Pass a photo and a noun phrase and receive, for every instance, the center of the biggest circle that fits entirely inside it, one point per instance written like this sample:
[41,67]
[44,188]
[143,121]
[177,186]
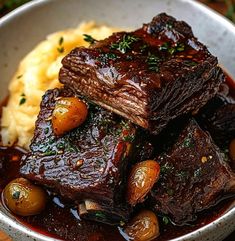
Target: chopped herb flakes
[16,195]
[170,192]
[60,49]
[153,62]
[125,44]
[197,172]
[122,223]
[61,40]
[188,143]
[105,57]
[190,63]
[129,138]
[100,215]
[46,131]
[143,47]
[89,38]
[165,220]
[49,153]
[22,99]
[179,47]
[169,25]
[182,175]
[167,168]
[164,46]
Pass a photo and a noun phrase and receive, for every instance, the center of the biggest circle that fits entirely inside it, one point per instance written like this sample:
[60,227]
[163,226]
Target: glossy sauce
[61,220]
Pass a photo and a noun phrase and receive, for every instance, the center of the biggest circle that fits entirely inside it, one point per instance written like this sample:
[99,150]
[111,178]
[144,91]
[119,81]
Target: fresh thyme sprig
[153,62]
[88,38]
[125,43]
[60,48]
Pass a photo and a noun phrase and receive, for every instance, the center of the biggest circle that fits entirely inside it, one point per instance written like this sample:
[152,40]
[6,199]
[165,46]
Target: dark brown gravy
[60,220]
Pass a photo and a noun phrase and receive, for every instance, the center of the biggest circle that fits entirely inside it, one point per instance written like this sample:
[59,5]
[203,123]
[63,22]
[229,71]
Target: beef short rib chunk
[87,164]
[218,117]
[193,176]
[149,76]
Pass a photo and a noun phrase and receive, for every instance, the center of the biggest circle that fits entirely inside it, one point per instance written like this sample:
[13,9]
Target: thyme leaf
[190,63]
[16,195]
[125,44]
[165,220]
[22,99]
[179,47]
[88,38]
[61,40]
[153,62]
[60,49]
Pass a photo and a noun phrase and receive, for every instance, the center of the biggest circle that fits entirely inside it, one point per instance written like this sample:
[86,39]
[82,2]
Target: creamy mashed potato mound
[36,73]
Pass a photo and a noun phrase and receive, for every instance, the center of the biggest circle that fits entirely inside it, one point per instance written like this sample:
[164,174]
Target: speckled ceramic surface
[26,26]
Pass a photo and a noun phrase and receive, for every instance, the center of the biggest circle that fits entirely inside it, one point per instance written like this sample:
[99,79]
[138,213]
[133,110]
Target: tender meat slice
[150,76]
[193,176]
[87,164]
[218,117]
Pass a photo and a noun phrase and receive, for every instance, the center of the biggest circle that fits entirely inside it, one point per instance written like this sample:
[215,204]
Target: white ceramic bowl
[23,28]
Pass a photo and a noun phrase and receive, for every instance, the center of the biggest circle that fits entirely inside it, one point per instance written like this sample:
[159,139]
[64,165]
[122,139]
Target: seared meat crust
[149,76]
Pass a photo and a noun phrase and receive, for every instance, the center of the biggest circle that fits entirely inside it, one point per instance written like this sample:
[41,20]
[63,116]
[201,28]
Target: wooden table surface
[218,5]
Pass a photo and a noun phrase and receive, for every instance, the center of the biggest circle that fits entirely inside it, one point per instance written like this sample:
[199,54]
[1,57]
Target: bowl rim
[19,226]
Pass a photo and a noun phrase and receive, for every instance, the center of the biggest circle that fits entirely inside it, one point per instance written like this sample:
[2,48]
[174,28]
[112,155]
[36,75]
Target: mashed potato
[37,72]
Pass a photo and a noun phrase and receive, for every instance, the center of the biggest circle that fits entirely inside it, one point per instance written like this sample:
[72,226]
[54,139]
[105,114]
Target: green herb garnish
[165,220]
[60,49]
[60,145]
[61,40]
[164,46]
[182,174]
[179,47]
[46,131]
[104,57]
[167,168]
[16,195]
[153,62]
[169,25]
[187,143]
[190,63]
[197,172]
[129,138]
[100,215]
[89,38]
[125,43]
[171,50]
[129,57]
[143,48]
[22,99]
[49,153]
[111,55]
[170,192]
